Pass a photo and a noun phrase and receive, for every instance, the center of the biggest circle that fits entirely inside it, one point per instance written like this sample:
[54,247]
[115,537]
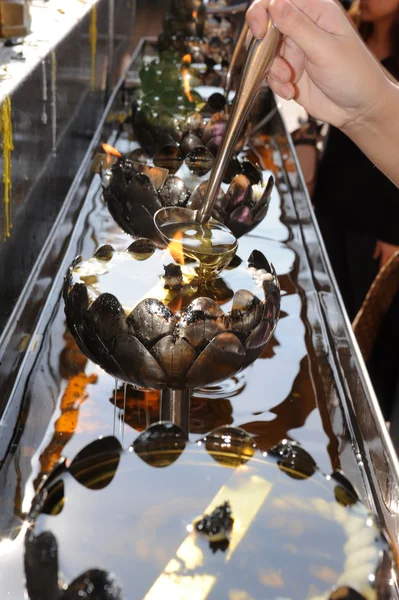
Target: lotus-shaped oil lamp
[168,329]
[243,504]
[171,94]
[155,125]
[136,187]
[185,21]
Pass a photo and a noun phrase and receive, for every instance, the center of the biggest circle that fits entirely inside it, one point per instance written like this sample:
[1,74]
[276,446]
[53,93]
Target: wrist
[378,116]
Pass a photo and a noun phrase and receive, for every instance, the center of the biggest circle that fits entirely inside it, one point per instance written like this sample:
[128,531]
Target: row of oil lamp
[177,335]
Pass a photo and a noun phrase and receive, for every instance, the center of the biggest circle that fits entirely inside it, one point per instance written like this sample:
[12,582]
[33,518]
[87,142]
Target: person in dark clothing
[357,208]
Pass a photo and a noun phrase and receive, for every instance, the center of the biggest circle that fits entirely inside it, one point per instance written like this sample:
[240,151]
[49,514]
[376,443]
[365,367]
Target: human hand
[323,63]
[384,252]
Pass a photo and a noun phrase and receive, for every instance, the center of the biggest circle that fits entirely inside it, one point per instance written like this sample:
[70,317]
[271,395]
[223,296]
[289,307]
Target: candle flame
[110,152]
[195,14]
[175,248]
[187,59]
[186,84]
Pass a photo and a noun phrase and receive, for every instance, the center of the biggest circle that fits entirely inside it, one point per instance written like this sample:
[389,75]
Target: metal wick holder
[152,347]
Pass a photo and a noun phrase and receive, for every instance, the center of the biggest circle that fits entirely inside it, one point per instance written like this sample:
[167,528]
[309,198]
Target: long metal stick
[235,58]
[260,57]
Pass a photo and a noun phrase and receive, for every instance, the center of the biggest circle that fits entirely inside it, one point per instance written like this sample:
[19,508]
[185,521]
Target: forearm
[377,135]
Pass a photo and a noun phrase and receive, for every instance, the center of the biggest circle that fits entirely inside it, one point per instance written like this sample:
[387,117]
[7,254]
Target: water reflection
[285,530]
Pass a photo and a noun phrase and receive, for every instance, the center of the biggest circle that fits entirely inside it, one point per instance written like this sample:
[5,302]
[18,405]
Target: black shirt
[351,192]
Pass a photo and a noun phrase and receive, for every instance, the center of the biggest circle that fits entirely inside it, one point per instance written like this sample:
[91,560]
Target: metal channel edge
[354,423]
[16,320]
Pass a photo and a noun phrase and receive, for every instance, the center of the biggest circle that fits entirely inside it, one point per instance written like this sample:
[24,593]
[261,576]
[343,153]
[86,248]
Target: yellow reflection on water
[179,580]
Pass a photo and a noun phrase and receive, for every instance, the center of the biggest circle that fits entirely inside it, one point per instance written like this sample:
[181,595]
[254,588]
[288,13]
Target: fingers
[257,18]
[248,39]
[284,90]
[294,57]
[280,71]
[301,28]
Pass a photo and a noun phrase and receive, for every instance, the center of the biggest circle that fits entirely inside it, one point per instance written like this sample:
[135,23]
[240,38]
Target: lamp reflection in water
[279,502]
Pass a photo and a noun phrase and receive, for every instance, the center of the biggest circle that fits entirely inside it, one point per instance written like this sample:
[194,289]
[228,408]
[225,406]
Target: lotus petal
[139,156]
[175,356]
[214,130]
[95,584]
[115,197]
[77,305]
[258,214]
[76,308]
[157,175]
[201,322]
[194,123]
[41,565]
[141,249]
[136,363]
[129,169]
[240,221]
[293,460]
[107,317]
[105,449]
[141,191]
[141,223]
[200,161]
[272,292]
[222,358]
[257,341]
[104,253]
[247,311]
[259,261]
[117,181]
[197,198]
[269,188]
[99,351]
[189,142]
[252,172]
[230,446]
[169,157]
[233,169]
[161,444]
[151,320]
[259,337]
[174,192]
[239,192]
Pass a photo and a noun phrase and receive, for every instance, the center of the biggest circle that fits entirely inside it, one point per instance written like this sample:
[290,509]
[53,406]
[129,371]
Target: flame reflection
[175,248]
[186,77]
